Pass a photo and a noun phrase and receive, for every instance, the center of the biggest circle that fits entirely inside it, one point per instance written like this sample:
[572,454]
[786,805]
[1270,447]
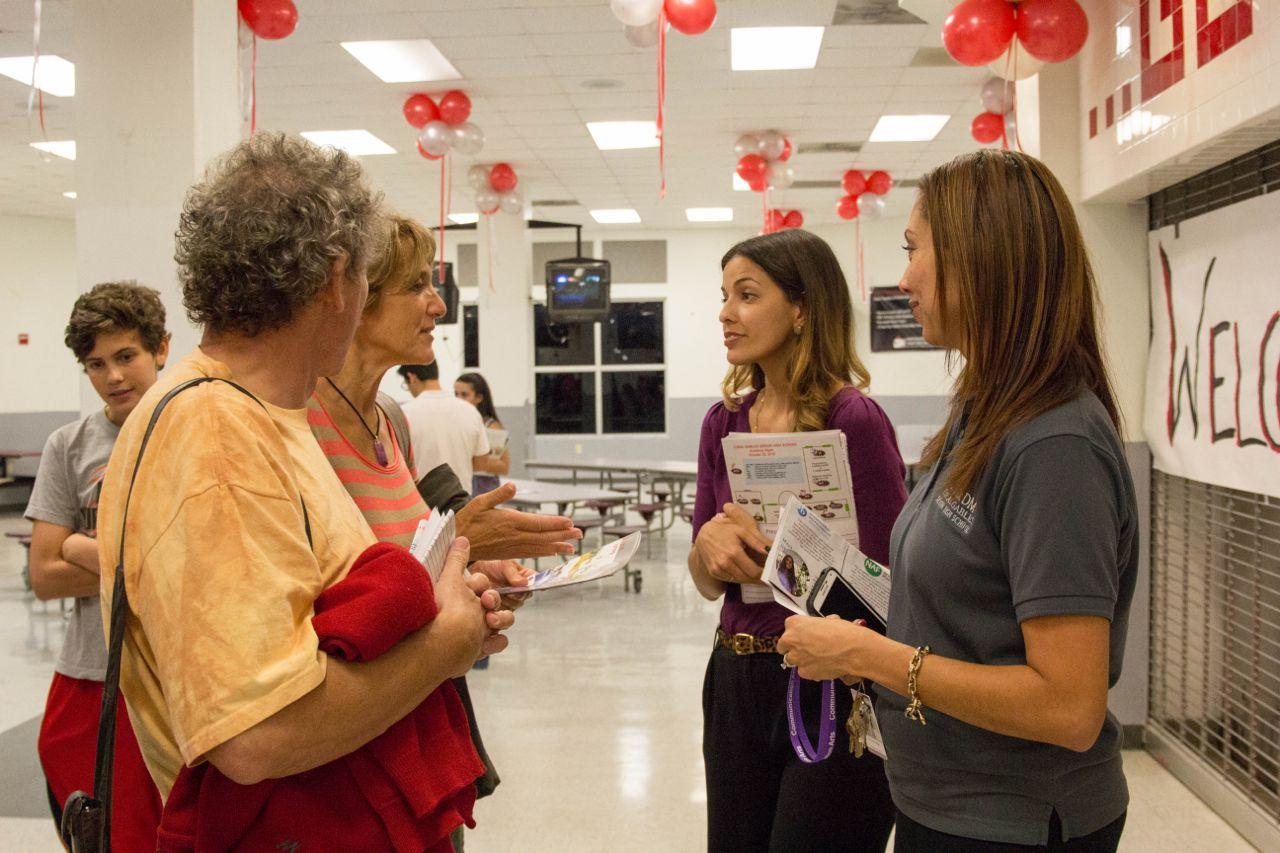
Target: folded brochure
[591,566]
[431,542]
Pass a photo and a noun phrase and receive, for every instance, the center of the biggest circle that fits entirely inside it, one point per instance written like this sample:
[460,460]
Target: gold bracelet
[915,710]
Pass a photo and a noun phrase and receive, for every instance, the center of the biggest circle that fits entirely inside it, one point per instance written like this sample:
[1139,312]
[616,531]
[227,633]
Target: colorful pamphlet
[591,566]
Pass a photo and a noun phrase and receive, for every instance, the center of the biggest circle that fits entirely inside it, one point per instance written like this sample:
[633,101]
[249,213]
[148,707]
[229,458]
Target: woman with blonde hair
[787,322]
[1015,558]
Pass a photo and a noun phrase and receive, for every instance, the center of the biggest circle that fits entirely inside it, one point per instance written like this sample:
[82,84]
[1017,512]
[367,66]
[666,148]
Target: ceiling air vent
[555,202]
[829,148]
[909,183]
[861,13]
[932,57]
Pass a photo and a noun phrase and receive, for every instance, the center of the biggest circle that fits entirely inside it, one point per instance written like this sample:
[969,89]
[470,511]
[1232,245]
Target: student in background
[117,334]
[787,322]
[1015,559]
[415,378]
[445,429]
[472,388]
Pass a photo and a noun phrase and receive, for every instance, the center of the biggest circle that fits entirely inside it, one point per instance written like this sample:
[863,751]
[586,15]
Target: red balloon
[847,207]
[977,32]
[793,219]
[269,19]
[853,183]
[691,17]
[1052,30]
[759,184]
[773,220]
[425,153]
[502,178]
[455,107]
[879,183]
[420,109]
[786,150]
[987,127]
[751,168]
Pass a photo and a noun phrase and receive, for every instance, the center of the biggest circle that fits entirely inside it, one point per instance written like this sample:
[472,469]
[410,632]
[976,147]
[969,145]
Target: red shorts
[68,748]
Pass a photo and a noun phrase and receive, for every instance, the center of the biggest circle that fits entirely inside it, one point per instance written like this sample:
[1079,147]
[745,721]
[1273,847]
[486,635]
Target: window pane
[558,344]
[635,401]
[470,336]
[633,334]
[565,403]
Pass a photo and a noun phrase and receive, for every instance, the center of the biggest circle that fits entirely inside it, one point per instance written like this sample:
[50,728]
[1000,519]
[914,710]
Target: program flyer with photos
[591,566]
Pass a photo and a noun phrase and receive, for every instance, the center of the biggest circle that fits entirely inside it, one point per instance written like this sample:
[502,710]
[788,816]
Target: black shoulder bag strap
[86,820]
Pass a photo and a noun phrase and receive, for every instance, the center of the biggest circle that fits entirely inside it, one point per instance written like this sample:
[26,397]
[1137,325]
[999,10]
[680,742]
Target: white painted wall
[37,290]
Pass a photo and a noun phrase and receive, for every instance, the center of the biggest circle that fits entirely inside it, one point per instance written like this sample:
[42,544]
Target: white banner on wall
[1213,372]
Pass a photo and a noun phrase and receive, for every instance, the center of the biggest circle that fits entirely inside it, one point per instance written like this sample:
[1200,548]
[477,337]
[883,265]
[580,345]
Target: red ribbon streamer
[1011,59]
[36,95]
[488,230]
[253,89]
[440,250]
[662,96]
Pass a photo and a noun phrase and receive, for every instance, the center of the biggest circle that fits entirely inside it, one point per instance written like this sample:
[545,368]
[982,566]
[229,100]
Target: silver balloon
[772,144]
[436,137]
[512,202]
[645,35]
[636,13]
[478,177]
[748,143]
[779,175]
[468,138]
[487,200]
[997,96]
[1015,63]
[870,206]
[1010,128]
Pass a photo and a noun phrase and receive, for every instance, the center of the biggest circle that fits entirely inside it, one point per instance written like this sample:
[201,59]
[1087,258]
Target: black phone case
[857,610]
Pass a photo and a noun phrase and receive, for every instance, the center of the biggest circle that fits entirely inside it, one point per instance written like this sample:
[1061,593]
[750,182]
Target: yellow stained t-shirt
[219,574]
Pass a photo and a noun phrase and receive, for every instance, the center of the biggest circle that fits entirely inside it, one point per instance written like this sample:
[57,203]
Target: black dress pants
[912,837]
[760,795]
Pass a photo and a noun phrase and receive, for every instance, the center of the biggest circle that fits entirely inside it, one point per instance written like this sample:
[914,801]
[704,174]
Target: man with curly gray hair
[237,522]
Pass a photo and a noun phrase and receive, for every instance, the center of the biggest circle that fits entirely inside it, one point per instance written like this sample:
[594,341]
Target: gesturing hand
[731,547]
[506,573]
[505,534]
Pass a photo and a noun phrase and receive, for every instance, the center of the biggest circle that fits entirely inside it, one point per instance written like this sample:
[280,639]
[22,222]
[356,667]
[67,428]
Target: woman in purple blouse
[788,333]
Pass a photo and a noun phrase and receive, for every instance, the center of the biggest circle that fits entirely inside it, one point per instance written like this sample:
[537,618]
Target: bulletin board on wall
[893,327]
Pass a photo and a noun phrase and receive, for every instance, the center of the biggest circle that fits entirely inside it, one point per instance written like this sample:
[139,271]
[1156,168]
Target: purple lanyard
[795,723]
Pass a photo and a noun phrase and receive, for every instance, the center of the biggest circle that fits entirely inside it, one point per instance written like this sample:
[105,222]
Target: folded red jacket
[405,790]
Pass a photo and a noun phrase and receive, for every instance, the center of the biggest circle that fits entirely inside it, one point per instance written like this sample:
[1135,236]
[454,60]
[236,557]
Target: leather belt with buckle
[746,644]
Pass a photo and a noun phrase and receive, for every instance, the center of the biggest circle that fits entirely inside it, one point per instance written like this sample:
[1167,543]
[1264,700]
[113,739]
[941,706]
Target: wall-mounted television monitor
[448,292]
[577,290]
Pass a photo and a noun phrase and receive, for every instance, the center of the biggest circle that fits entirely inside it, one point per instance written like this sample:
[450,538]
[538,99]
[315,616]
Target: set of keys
[859,723]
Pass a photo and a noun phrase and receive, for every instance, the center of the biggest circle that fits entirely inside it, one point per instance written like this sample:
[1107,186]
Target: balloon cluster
[863,194]
[998,119]
[776,220]
[495,188]
[269,19]
[762,160]
[982,32]
[640,18]
[443,126]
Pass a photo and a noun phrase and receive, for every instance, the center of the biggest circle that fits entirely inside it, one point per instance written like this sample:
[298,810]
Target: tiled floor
[592,716]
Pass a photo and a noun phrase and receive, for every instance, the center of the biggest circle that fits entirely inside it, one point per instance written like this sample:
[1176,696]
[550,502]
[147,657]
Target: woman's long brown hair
[806,269]
[1015,281]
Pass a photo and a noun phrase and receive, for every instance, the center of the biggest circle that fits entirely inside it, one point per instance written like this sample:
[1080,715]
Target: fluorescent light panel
[71,194]
[406,61]
[774,48]
[464,218]
[357,143]
[615,216]
[64,148]
[54,75]
[921,128]
[709,214]
[617,135]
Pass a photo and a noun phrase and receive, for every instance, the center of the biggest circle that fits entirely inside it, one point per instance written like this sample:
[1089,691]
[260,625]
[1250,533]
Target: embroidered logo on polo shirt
[958,512]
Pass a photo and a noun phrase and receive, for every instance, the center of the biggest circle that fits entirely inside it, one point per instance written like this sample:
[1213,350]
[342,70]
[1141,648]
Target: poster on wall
[1213,372]
[893,328]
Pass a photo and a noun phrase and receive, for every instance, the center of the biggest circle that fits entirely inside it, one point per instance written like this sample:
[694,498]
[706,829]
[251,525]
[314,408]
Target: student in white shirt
[445,429]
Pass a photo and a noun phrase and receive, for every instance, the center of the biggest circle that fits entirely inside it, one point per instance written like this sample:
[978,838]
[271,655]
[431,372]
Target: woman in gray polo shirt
[1014,559]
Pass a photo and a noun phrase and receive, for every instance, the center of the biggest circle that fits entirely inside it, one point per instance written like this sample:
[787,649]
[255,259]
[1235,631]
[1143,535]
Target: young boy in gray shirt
[117,333]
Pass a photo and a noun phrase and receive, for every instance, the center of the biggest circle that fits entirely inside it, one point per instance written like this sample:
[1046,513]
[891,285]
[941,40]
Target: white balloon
[436,137]
[1010,128]
[468,138]
[1015,63]
[636,13]
[487,201]
[645,35]
[512,202]
[748,143]
[997,96]
[779,175]
[772,144]
[478,177]
[870,206]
